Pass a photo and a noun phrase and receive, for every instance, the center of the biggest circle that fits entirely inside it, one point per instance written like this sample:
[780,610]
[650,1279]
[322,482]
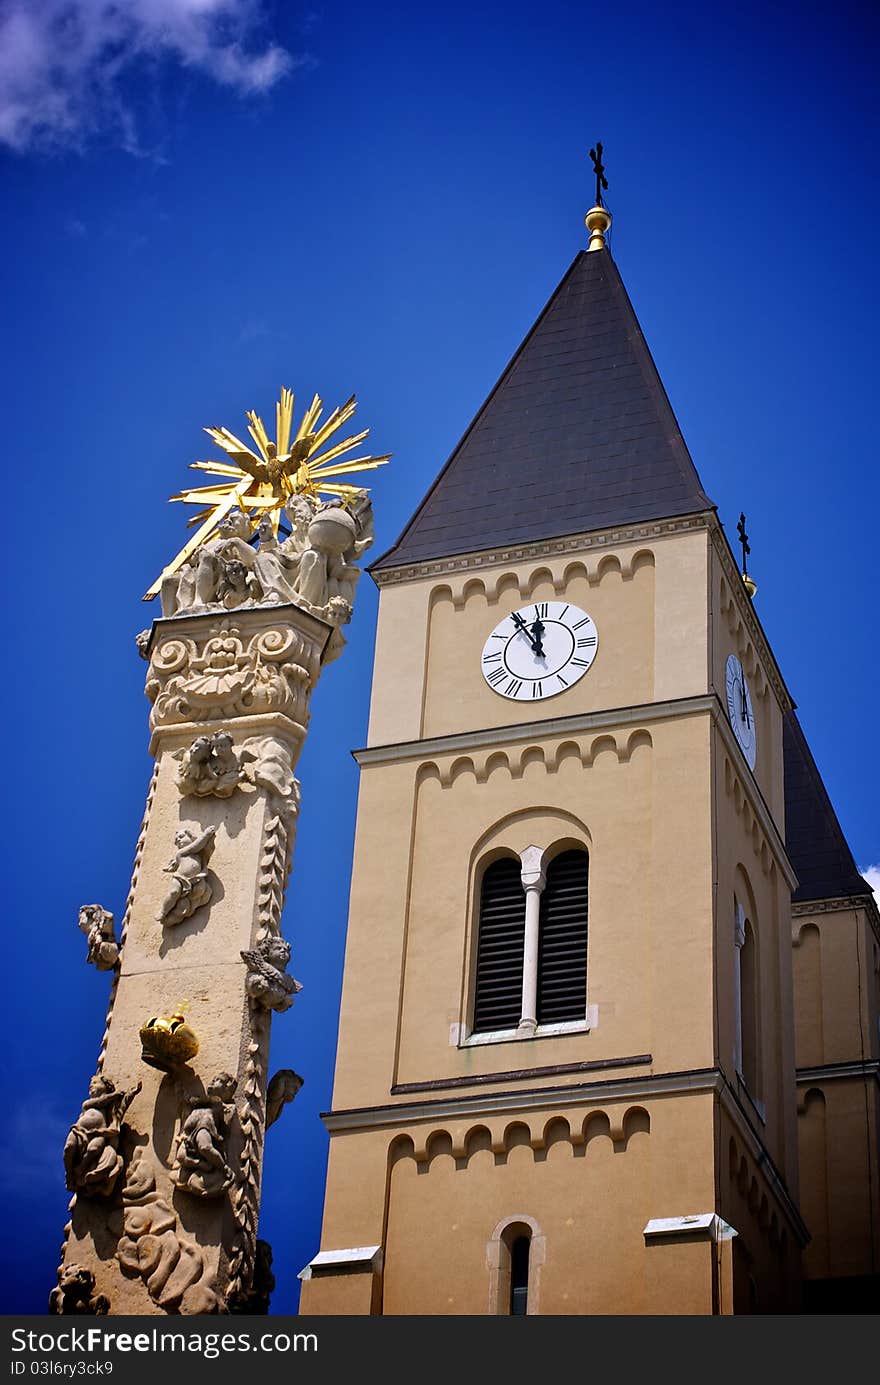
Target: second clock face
[539,651]
[739,709]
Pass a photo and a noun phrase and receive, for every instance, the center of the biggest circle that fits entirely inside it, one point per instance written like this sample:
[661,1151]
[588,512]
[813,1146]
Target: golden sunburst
[262,482]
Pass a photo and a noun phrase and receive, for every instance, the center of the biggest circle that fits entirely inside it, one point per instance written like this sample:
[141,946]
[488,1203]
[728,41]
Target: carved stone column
[166,1174]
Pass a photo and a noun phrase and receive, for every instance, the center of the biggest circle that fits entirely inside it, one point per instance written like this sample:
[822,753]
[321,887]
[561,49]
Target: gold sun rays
[263,481]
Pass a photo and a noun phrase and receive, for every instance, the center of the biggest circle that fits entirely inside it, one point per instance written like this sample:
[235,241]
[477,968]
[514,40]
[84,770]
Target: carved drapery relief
[267,982]
[224,676]
[74,1294]
[152,1248]
[190,886]
[92,1162]
[201,1164]
[313,567]
[97,924]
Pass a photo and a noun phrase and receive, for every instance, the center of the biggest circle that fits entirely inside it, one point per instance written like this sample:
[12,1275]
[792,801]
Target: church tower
[565,1076]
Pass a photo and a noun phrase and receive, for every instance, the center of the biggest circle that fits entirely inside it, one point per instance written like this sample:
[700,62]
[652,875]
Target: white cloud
[872,875]
[63,63]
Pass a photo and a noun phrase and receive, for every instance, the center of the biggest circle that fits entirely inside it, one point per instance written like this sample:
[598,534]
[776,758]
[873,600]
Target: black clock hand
[538,632]
[521,625]
[745,706]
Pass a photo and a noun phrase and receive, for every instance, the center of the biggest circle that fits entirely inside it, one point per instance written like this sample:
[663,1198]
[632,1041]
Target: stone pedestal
[160,1237]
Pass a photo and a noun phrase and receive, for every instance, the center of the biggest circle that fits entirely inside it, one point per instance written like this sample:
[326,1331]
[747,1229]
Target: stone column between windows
[533,881]
[739,938]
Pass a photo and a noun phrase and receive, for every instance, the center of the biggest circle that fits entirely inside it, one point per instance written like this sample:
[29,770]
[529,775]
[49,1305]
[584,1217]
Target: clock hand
[521,625]
[745,706]
[538,632]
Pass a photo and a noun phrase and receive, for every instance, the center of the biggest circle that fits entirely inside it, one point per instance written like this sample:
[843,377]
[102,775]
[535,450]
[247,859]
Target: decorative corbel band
[526,552]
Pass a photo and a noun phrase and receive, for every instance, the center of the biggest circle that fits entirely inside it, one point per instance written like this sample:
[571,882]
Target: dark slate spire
[578,434]
[814,840]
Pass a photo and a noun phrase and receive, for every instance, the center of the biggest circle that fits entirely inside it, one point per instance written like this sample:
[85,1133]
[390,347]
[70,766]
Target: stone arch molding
[620,748]
[498,1262]
[571,1137]
[490,587]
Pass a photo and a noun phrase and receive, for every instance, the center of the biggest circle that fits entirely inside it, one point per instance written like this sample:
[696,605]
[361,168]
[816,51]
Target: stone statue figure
[200,1160]
[211,765]
[267,981]
[283,1087]
[97,924]
[74,1294]
[92,1162]
[190,886]
[221,572]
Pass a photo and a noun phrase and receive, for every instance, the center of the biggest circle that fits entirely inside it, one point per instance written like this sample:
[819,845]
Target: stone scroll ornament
[201,1164]
[97,924]
[190,886]
[92,1161]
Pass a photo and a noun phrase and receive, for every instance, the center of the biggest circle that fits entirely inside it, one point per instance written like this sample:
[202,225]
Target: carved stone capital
[202,669]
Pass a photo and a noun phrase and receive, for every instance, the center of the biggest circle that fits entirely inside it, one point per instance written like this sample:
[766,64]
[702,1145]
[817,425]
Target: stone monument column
[165,1158]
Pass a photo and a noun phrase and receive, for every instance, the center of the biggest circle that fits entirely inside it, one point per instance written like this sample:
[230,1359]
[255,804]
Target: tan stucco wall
[836,952]
[661,800]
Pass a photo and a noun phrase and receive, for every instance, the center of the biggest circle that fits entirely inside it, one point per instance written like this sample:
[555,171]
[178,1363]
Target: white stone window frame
[533,860]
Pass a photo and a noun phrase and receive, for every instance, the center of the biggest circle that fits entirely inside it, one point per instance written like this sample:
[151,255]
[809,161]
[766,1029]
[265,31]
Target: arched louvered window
[498,994]
[562,949]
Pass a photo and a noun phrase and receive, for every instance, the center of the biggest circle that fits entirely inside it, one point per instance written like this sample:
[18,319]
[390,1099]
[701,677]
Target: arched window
[519,1276]
[746,994]
[531,965]
[562,953]
[499,981]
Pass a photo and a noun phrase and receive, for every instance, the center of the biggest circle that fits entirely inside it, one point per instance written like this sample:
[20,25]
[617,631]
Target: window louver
[498,1000]
[562,951]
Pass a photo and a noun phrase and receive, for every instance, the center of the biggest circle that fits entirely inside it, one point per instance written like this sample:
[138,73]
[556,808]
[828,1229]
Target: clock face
[539,651]
[739,709]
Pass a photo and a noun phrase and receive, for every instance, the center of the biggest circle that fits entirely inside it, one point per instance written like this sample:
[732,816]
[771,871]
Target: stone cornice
[830,1072]
[746,609]
[639,715]
[848,902]
[701,1081]
[544,548]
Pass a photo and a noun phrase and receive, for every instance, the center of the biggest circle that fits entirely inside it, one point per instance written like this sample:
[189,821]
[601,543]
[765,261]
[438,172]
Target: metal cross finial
[744,540]
[599,170]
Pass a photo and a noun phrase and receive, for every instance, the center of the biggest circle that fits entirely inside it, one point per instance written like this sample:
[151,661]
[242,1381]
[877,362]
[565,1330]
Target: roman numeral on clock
[513,687]
[541,610]
[538,689]
[492,658]
[585,620]
[497,676]
[586,642]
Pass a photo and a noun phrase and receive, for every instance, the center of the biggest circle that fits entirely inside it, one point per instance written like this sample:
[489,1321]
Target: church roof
[815,842]
[577,435]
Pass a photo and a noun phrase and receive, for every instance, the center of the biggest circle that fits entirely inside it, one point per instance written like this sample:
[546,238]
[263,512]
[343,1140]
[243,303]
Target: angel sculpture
[201,1165]
[92,1162]
[267,981]
[211,765]
[190,886]
[283,1087]
[97,924]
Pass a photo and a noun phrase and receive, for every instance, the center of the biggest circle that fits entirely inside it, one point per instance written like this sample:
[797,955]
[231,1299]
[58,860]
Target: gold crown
[167,1041]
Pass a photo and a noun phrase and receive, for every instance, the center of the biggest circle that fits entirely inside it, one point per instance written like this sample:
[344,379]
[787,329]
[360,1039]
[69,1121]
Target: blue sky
[207,199]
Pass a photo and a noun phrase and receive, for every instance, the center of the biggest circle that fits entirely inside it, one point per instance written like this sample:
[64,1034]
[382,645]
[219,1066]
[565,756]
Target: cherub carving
[211,765]
[282,1089]
[201,1166]
[75,1294]
[218,573]
[92,1161]
[190,887]
[97,924]
[267,981]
